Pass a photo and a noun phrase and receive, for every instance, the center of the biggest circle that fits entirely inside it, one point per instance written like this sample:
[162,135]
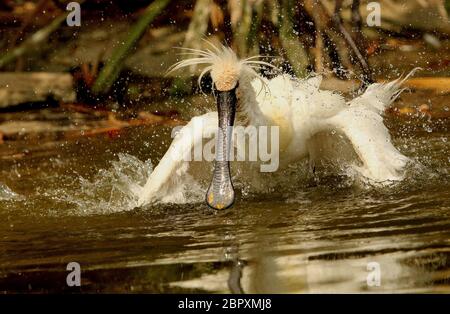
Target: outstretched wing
[372,143]
[361,122]
[174,163]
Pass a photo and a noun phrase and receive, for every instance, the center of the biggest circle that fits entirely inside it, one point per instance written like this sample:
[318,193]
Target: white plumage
[301,111]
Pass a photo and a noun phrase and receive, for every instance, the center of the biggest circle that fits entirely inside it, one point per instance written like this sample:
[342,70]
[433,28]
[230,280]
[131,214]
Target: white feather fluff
[222,63]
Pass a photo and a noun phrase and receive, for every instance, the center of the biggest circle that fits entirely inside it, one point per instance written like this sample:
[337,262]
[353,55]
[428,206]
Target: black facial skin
[220,194]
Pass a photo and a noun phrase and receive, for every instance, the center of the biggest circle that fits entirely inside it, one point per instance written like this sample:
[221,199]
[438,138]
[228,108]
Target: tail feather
[379,96]
[363,125]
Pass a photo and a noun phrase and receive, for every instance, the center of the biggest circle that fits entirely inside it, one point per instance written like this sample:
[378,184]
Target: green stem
[247,28]
[252,38]
[34,41]
[111,71]
[243,28]
[295,52]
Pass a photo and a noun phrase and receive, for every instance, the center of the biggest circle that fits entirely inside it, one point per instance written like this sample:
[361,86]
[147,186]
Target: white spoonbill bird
[299,109]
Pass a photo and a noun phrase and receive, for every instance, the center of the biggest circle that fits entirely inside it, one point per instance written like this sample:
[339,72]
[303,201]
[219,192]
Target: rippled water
[72,201]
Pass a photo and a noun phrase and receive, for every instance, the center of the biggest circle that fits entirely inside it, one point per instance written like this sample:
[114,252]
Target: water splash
[118,188]
[111,190]
[6,194]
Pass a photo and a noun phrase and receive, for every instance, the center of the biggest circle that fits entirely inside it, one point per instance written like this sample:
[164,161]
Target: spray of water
[110,190]
[117,188]
[6,194]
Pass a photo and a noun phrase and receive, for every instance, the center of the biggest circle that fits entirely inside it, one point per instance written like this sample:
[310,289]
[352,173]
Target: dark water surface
[64,202]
